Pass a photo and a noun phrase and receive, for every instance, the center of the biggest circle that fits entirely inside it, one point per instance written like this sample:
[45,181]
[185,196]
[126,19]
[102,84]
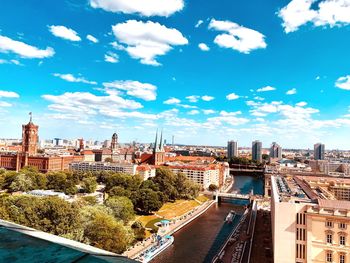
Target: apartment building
[310,219]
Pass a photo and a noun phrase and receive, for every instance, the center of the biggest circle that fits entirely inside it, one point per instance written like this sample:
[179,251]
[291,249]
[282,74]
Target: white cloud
[65,33]
[24,50]
[229,118]
[203,47]
[185,106]
[172,101]
[193,112]
[259,98]
[207,98]
[141,7]
[92,38]
[232,96]
[8,94]
[301,104]
[71,78]
[11,61]
[111,57]
[267,88]
[147,40]
[4,104]
[343,82]
[198,23]
[237,37]
[136,89]
[193,98]
[207,112]
[291,91]
[327,12]
[84,104]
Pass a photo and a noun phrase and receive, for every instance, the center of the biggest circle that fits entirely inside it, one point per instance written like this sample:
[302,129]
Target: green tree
[146,201]
[89,185]
[21,183]
[139,230]
[103,231]
[122,208]
[119,191]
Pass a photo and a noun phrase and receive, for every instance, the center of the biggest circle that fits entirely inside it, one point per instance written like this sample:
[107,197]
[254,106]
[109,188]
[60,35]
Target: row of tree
[108,225]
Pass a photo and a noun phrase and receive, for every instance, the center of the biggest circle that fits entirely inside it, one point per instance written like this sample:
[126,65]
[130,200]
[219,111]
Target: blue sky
[204,71]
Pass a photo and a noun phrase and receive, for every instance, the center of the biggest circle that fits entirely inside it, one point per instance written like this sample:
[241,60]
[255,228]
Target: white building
[104,166]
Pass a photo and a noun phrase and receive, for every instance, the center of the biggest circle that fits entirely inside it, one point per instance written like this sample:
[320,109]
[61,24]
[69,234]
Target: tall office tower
[232,149]
[319,151]
[275,151]
[256,151]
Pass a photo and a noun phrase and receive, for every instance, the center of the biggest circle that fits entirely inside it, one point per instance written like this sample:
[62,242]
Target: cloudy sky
[203,71]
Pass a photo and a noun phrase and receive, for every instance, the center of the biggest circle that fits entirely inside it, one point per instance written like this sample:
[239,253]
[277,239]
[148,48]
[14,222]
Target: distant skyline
[204,72]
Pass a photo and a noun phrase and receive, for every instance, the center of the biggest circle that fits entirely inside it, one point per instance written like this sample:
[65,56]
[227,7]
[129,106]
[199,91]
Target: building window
[329,257]
[329,224]
[329,238]
[341,258]
[342,225]
[342,240]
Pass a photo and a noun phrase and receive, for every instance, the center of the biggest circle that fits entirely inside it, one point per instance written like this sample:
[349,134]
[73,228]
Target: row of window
[300,251]
[301,234]
[301,219]
[340,225]
[329,257]
[342,239]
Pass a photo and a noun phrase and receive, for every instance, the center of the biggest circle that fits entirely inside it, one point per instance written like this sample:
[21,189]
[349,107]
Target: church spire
[156,142]
[161,141]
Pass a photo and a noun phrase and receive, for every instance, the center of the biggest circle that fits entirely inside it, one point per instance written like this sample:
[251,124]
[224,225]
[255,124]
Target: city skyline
[91,68]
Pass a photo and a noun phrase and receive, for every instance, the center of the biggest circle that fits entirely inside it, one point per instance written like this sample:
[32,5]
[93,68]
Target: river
[200,240]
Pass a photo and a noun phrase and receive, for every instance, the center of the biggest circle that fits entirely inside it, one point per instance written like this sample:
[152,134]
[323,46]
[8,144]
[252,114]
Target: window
[329,257]
[341,258]
[329,238]
[342,240]
[342,225]
[329,224]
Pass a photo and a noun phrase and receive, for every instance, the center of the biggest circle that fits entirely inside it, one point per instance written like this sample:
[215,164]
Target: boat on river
[162,243]
[229,218]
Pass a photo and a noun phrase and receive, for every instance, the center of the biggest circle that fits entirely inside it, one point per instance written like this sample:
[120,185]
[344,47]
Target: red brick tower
[30,137]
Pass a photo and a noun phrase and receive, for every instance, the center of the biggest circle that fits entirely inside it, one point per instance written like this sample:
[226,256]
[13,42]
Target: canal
[200,240]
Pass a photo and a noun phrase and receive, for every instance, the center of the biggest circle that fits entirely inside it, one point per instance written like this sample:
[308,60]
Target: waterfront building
[319,150]
[232,149]
[275,152]
[204,175]
[310,219]
[256,151]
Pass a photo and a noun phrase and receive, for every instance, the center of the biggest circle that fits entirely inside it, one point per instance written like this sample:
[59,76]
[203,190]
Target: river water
[200,240]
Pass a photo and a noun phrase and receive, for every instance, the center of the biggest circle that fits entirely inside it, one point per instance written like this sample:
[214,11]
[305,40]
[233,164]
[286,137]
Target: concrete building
[232,149]
[103,166]
[319,150]
[256,151]
[310,219]
[275,152]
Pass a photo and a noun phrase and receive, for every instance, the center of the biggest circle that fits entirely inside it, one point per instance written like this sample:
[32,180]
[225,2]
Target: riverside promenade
[175,225]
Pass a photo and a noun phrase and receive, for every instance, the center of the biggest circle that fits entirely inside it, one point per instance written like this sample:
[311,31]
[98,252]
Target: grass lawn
[202,198]
[169,211]
[178,208]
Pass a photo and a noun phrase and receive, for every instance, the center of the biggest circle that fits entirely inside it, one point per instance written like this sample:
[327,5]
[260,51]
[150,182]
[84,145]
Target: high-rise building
[275,151]
[319,151]
[232,149]
[256,151]
[30,137]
